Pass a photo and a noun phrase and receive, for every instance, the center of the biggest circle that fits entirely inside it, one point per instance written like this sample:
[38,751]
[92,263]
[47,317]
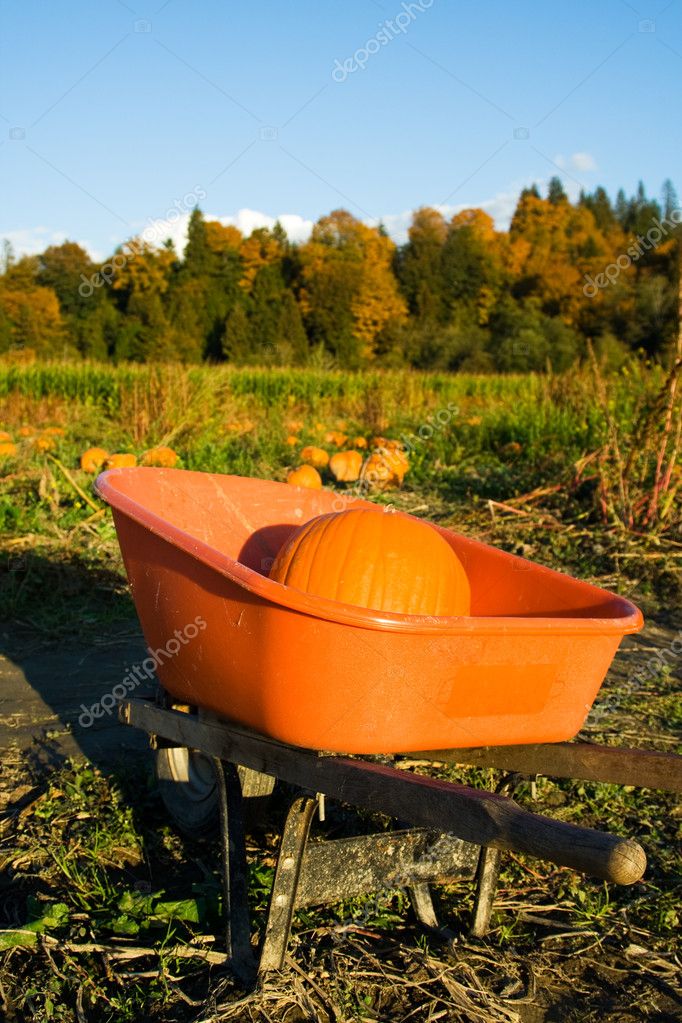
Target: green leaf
[53,915]
[18,939]
[124,925]
[190,910]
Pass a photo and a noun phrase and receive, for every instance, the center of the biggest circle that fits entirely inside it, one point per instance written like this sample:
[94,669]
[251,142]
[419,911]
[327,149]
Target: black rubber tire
[187,786]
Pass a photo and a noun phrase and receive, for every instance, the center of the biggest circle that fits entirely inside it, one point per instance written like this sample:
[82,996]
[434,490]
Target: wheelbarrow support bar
[483,818]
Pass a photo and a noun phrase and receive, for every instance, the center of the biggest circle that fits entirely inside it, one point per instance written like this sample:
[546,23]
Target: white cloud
[30,241]
[297,228]
[582,162]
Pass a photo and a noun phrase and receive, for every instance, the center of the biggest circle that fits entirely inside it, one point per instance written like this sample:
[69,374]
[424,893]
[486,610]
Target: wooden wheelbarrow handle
[473,815]
[486,819]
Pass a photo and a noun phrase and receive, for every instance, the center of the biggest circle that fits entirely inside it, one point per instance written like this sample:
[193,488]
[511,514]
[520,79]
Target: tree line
[458,295]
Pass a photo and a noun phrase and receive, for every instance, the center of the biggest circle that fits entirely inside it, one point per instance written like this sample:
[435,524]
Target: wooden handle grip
[596,853]
[488,819]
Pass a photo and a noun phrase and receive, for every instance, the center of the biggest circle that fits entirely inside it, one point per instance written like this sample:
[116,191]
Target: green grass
[92,862]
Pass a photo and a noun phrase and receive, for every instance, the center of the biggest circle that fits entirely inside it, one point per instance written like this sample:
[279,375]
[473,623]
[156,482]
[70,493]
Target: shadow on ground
[68,635]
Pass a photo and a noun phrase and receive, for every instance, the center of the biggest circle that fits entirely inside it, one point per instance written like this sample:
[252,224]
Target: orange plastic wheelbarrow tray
[525,667]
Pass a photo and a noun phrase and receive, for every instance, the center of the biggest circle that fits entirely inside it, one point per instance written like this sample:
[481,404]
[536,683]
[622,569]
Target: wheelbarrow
[277,683]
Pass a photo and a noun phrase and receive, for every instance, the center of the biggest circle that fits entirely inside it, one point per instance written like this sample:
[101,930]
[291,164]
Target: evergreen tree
[600,207]
[293,339]
[237,342]
[555,192]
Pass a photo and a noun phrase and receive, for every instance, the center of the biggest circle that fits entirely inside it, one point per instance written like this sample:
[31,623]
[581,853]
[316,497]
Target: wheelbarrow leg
[422,904]
[235,877]
[486,886]
[285,885]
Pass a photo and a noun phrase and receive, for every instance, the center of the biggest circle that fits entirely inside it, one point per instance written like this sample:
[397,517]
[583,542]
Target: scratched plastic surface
[524,667]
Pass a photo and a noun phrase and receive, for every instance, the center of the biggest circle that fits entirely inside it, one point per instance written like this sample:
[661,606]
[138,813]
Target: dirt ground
[45,686]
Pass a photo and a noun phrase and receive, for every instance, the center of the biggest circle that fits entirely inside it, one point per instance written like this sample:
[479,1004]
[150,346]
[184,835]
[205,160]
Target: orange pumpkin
[385,561]
[359,442]
[513,448]
[315,456]
[124,461]
[54,431]
[7,449]
[163,457]
[236,427]
[292,440]
[295,425]
[335,438]
[26,431]
[345,466]
[44,443]
[305,476]
[385,468]
[4,436]
[93,459]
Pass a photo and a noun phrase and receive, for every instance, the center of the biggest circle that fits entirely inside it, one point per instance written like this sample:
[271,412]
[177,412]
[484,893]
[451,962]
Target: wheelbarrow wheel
[187,786]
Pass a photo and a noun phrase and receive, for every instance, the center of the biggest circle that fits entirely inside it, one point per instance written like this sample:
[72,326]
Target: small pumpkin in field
[120,461]
[513,448]
[345,466]
[336,438]
[240,427]
[26,431]
[359,442]
[162,457]
[385,468]
[292,440]
[4,437]
[44,443]
[93,460]
[305,476]
[315,456]
[382,560]
[7,449]
[54,431]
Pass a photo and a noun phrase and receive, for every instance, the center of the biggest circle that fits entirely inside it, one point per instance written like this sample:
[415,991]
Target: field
[577,471]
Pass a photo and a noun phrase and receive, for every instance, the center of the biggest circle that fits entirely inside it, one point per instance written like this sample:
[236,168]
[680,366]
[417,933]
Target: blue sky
[113,114]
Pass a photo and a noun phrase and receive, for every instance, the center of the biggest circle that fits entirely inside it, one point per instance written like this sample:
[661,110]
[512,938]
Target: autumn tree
[140,281]
[30,314]
[349,292]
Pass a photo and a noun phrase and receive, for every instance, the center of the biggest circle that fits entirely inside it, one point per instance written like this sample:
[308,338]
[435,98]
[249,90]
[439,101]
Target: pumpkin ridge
[314,564]
[348,552]
[389,564]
